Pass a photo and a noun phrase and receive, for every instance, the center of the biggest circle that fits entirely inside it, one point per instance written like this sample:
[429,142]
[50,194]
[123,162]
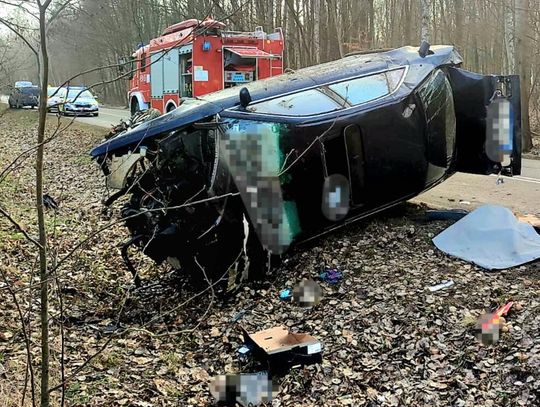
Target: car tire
[96,114]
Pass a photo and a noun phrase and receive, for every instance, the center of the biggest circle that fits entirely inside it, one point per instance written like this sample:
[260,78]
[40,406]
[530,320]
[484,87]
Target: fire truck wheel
[134,106]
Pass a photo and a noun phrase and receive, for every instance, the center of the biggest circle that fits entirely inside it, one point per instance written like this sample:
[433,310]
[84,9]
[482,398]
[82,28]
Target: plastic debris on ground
[446,214]
[285,294]
[489,325]
[442,285]
[331,276]
[281,349]
[492,238]
[243,353]
[239,315]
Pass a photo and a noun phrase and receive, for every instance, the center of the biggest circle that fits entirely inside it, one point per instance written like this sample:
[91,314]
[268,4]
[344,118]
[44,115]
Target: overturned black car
[239,176]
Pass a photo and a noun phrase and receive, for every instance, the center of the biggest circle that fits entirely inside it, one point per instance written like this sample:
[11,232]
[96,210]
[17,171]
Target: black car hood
[190,111]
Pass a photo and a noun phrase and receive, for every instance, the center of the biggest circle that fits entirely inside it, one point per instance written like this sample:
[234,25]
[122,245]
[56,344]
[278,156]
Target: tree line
[487,33]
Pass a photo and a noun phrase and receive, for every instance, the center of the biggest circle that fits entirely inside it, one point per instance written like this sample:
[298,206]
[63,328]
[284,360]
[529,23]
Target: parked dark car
[24,96]
[249,173]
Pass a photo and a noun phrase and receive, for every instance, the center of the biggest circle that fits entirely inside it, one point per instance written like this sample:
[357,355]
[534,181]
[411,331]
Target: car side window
[309,102]
[363,89]
[368,88]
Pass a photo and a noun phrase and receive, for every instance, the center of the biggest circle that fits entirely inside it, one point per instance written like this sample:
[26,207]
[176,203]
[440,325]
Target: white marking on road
[520,178]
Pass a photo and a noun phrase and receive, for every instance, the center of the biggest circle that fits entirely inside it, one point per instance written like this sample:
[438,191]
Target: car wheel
[96,114]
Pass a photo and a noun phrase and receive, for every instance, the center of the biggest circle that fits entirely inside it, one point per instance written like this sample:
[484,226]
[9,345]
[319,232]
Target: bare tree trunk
[371,18]
[425,36]
[458,4]
[43,272]
[522,68]
[317,30]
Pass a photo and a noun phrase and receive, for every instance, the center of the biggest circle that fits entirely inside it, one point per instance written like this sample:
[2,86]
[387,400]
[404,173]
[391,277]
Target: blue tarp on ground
[492,238]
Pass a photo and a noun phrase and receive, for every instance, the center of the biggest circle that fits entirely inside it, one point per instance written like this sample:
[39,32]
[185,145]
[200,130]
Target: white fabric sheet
[492,238]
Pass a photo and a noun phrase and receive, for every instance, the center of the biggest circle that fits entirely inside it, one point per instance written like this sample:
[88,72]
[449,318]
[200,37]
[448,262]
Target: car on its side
[24,96]
[249,173]
[78,101]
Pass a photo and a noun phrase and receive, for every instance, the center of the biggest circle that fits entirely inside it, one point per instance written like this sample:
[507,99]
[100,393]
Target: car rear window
[30,91]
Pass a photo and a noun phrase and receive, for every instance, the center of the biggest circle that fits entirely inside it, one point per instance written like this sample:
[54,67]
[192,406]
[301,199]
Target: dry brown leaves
[387,340]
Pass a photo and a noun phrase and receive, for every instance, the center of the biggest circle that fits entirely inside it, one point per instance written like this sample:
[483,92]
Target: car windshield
[51,91]
[80,94]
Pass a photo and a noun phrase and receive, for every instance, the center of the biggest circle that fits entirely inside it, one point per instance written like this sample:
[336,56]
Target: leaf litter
[387,340]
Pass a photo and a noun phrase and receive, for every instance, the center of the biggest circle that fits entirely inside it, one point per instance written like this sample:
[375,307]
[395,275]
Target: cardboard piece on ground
[279,339]
[281,349]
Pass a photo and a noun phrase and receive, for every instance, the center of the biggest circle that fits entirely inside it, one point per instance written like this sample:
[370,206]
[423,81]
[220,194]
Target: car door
[488,122]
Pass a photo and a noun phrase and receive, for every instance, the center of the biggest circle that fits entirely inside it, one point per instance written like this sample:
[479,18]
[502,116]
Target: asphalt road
[468,191]
[107,117]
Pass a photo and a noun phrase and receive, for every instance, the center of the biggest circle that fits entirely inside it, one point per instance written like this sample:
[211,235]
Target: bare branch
[19,227]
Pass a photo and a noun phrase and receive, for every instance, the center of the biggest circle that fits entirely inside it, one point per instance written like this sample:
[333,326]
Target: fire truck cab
[193,58]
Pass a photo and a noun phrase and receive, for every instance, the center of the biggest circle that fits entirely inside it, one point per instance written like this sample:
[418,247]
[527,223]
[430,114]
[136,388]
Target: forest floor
[387,340]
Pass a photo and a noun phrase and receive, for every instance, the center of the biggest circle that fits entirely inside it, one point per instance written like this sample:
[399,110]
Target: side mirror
[424,50]
[245,97]
[121,64]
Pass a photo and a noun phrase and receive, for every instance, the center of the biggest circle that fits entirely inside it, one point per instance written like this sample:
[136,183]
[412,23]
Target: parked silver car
[79,102]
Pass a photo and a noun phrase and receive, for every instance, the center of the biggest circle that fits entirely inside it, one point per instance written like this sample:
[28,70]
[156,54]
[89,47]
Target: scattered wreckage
[241,175]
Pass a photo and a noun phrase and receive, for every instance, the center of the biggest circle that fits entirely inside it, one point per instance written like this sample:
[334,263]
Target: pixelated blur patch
[488,328]
[252,153]
[307,293]
[246,389]
[336,196]
[499,131]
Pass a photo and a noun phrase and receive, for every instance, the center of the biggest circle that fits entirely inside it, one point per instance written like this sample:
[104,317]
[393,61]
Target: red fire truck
[193,58]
